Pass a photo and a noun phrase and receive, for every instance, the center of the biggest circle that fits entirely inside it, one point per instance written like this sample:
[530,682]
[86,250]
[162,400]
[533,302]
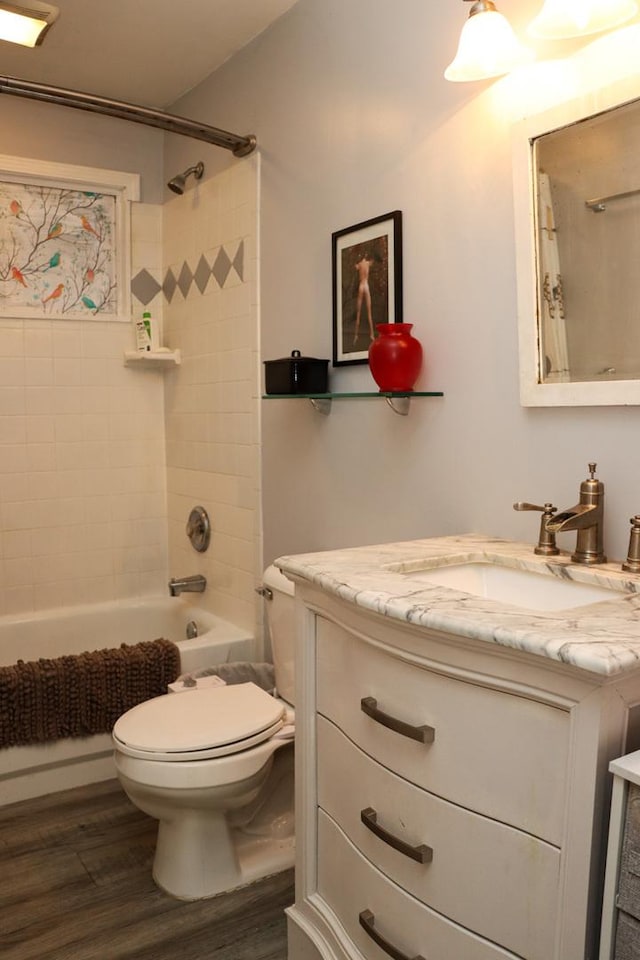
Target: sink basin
[522,588]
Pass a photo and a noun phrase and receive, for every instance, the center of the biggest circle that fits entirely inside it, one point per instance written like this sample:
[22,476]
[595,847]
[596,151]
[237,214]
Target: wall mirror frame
[535,391]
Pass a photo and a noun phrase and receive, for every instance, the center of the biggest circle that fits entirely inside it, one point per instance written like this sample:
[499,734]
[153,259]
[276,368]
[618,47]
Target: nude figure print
[362,267]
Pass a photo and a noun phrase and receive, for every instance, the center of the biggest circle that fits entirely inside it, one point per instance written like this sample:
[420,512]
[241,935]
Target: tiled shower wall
[209,287]
[82,450]
[90,467]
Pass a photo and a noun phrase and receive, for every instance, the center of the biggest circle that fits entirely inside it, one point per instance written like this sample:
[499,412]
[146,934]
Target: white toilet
[215,767]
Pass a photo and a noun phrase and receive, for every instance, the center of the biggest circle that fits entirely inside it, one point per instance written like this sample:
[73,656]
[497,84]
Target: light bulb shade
[488,48]
[562,19]
[26,24]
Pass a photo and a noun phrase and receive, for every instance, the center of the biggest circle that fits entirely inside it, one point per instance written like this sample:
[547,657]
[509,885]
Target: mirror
[577,200]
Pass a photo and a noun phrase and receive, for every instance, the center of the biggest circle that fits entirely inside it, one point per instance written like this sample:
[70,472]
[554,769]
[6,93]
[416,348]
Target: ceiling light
[560,19]
[488,46]
[26,25]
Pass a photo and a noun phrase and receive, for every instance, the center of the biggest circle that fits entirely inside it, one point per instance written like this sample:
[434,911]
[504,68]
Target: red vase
[395,358]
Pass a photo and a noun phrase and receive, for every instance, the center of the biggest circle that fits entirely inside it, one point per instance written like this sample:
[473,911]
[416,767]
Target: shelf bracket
[399,405]
[321,404]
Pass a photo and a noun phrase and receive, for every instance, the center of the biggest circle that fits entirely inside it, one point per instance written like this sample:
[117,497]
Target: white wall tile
[18,571]
[66,340]
[204,426]
[15,543]
[39,400]
[95,482]
[11,342]
[82,465]
[12,371]
[12,400]
[13,429]
[40,429]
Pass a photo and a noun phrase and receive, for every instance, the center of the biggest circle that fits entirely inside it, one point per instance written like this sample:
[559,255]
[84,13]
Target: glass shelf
[399,402]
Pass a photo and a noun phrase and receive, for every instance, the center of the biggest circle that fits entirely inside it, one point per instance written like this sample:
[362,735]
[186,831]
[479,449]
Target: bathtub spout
[194,584]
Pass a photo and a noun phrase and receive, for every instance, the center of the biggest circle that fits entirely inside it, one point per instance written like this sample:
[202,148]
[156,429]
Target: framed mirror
[577,214]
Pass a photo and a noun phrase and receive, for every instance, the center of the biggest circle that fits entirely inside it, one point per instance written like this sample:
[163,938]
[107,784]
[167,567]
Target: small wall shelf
[399,402]
[149,359]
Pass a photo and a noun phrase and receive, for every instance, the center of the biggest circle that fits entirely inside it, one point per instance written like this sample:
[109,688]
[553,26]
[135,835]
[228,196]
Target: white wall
[354,119]
[66,135]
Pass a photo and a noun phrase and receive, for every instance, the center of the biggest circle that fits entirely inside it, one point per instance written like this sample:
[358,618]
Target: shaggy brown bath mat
[75,696]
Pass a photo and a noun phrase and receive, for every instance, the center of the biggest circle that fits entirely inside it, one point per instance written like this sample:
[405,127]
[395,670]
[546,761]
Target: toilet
[214,766]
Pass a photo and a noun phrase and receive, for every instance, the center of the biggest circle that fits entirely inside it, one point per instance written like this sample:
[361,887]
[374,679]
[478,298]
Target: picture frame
[367,284]
[65,244]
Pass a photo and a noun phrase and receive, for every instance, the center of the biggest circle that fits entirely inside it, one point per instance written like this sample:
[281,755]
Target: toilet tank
[280,612]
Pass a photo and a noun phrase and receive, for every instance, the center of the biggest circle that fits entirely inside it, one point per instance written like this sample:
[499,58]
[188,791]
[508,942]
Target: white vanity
[452,749]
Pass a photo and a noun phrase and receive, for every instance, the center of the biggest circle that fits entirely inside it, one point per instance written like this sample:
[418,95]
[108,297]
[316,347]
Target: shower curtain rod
[599,205]
[239,146]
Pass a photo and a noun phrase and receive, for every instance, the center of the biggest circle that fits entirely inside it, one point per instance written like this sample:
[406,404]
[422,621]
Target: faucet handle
[546,545]
[632,563]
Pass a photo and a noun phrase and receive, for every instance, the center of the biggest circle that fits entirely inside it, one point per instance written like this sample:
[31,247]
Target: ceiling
[147,52]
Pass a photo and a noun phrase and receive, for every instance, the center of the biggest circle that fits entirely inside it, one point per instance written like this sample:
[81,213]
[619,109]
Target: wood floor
[75,884]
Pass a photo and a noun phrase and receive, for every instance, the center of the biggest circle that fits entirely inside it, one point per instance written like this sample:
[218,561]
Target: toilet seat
[200,724]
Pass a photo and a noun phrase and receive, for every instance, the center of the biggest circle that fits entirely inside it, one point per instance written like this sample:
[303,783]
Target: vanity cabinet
[621,907]
[628,898]
[451,793]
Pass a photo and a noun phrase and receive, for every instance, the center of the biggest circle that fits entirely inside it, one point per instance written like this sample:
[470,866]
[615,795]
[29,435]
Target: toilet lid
[198,724]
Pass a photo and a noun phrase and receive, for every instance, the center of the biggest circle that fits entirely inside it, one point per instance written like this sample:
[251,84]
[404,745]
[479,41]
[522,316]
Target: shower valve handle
[199,529]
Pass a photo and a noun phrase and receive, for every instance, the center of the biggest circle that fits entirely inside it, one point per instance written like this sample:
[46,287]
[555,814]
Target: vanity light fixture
[26,25]
[488,46]
[562,19]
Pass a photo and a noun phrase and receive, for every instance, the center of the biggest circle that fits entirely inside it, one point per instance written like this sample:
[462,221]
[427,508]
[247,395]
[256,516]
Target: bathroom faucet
[587,517]
[194,584]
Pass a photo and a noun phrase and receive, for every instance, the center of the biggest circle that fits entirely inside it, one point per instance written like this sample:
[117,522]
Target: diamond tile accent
[144,287]
[169,285]
[185,279]
[202,274]
[238,260]
[221,266]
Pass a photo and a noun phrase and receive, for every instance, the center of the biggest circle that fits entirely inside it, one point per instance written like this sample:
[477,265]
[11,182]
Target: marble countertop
[603,637]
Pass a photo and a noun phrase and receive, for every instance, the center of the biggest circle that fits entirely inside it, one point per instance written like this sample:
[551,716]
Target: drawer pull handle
[369,705]
[367,922]
[422,853]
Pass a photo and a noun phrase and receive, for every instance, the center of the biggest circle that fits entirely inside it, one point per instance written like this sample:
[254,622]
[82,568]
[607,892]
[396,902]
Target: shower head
[177,184]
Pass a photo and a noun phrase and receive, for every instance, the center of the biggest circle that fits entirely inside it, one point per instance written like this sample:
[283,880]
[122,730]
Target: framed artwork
[367,284]
[64,241]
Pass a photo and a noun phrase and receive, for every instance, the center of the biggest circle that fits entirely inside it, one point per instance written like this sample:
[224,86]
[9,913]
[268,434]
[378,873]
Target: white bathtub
[37,769]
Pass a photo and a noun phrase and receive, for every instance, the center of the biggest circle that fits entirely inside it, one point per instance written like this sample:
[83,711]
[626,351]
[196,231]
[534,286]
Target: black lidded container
[296,374]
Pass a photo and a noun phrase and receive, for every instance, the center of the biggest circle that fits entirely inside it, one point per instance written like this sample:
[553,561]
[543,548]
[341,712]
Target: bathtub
[37,769]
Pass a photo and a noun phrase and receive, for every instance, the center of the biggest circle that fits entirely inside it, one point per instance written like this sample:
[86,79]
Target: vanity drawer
[351,886]
[627,938]
[501,755]
[488,877]
[629,877]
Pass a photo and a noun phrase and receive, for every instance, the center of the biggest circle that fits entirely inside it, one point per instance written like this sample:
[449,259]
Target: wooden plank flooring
[75,884]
